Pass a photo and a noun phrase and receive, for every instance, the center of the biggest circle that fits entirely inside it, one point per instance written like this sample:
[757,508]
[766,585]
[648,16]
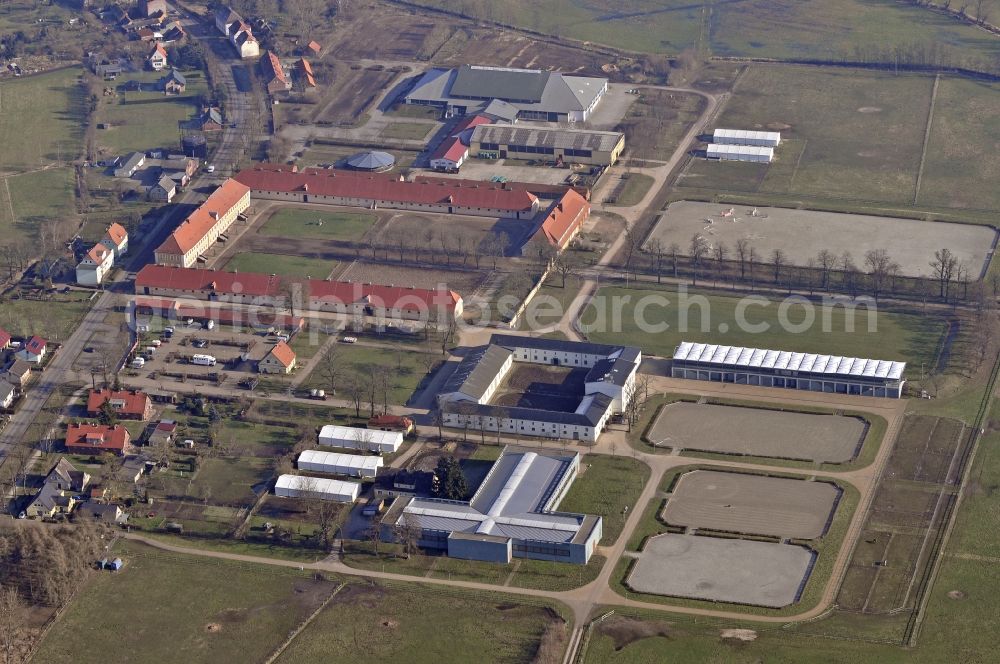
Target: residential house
[98,494]
[163,190]
[58,487]
[109,513]
[148,35]
[174,83]
[4,338]
[18,373]
[127,404]
[33,350]
[7,392]
[163,433]
[275,80]
[116,239]
[174,33]
[157,58]
[135,467]
[95,266]
[225,19]
[304,73]
[211,120]
[245,43]
[281,360]
[131,164]
[96,439]
[313,48]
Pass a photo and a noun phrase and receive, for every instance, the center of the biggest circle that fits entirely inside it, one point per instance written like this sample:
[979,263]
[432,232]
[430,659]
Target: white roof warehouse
[792,370]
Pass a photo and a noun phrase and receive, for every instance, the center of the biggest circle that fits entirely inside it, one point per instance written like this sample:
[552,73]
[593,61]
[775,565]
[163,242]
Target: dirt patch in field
[741,635]
[956,594]
[778,126]
[212,628]
[388,623]
[869,109]
[624,631]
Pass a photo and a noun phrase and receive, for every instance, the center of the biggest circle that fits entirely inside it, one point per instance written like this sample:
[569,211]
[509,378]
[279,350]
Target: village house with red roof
[96,439]
[127,404]
[98,261]
[280,360]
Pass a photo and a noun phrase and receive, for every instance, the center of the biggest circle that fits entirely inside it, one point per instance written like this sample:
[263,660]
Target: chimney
[214,215]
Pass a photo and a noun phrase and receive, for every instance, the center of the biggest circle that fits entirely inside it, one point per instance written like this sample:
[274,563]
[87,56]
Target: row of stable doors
[832,387]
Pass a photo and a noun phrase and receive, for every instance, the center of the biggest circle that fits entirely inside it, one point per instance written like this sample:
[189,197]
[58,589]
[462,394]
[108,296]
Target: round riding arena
[802,234]
[751,504]
[722,570]
[757,432]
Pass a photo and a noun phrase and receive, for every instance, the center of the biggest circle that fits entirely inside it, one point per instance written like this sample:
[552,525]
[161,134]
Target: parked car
[350,340]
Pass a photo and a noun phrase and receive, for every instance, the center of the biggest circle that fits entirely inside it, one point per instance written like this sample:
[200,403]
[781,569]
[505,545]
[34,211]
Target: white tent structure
[791,370]
[354,438]
[768,139]
[740,153]
[336,463]
[300,486]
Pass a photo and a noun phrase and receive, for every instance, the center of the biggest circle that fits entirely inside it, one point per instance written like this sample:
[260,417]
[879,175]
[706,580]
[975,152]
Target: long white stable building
[790,370]
[770,139]
[762,155]
[335,463]
[355,438]
[300,486]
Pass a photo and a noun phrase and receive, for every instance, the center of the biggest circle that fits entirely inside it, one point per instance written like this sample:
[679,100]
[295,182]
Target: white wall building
[767,139]
[336,463]
[355,438]
[300,486]
[762,155]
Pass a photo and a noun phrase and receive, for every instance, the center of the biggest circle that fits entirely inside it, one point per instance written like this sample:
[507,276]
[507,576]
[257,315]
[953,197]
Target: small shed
[115,565]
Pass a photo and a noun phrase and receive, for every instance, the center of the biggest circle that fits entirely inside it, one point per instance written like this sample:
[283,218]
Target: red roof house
[129,404]
[4,338]
[97,439]
[563,221]
[205,224]
[281,360]
[34,349]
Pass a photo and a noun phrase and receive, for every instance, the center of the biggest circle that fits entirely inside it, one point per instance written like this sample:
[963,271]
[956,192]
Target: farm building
[172,310]
[534,94]
[511,515]
[501,141]
[127,404]
[373,191]
[465,397]
[754,154]
[767,139]
[451,153]
[279,360]
[336,463]
[372,161]
[354,438]
[561,225]
[345,297]
[196,234]
[796,371]
[300,486]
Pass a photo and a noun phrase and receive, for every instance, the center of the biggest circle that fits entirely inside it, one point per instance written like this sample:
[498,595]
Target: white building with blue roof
[791,370]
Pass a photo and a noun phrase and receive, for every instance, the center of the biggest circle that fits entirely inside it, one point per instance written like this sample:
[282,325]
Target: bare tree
[564,267]
[944,266]
[849,273]
[697,251]
[719,251]
[657,251]
[878,264]
[407,535]
[674,250]
[778,261]
[742,252]
[373,533]
[14,639]
[825,261]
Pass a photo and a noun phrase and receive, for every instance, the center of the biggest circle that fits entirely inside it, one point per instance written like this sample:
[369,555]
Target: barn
[354,438]
[300,486]
[336,463]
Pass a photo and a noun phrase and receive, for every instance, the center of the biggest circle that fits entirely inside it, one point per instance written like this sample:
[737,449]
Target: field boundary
[305,623]
[927,138]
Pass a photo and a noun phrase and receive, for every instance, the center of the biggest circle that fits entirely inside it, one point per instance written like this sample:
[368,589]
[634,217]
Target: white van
[138,363]
[203,360]
[350,340]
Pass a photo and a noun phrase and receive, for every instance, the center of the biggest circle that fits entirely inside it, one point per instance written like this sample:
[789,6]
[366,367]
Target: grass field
[147,119]
[635,188]
[414,111]
[280,264]
[42,118]
[607,486]
[54,318]
[960,166]
[230,480]
[655,124]
[834,29]
[304,223]
[405,368]
[181,609]
[907,337]
[851,134]
[411,131]
[41,195]
[378,624]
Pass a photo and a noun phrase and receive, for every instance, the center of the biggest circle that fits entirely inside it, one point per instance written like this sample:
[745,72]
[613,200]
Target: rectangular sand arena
[757,432]
[722,570]
[802,234]
[751,504]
